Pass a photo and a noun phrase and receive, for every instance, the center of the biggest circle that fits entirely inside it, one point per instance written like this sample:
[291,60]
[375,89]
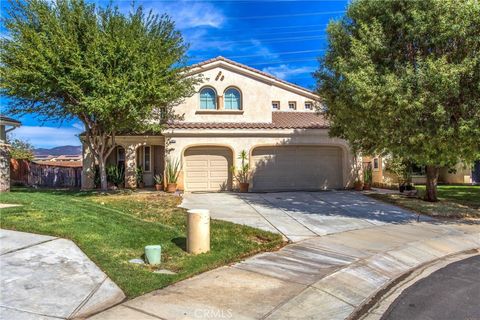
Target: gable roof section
[221,59]
[280,120]
[9,121]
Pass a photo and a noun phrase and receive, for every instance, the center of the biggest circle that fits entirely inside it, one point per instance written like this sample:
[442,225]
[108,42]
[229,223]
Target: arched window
[233,99]
[208,99]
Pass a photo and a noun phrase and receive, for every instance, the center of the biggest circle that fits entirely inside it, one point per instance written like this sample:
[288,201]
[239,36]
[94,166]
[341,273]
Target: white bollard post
[198,231]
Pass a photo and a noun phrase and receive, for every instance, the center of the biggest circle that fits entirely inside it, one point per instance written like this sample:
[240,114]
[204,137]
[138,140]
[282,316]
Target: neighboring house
[59,158]
[6,125]
[239,108]
[461,174]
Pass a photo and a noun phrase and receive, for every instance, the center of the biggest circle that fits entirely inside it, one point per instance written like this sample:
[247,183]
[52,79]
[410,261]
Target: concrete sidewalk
[328,277]
[44,277]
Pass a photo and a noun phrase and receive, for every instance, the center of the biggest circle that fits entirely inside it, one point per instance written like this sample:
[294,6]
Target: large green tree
[116,73]
[20,149]
[403,77]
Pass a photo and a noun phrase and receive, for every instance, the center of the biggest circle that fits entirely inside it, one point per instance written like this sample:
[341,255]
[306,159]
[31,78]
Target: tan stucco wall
[249,139]
[380,175]
[257,96]
[463,174]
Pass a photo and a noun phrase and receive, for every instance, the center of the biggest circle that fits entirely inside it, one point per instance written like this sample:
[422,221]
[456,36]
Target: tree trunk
[431,188]
[103,174]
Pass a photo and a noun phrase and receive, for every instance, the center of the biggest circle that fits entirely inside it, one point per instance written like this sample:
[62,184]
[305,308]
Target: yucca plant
[243,174]
[172,170]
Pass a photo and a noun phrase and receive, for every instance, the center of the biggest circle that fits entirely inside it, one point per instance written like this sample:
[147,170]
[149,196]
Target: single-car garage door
[207,169]
[297,168]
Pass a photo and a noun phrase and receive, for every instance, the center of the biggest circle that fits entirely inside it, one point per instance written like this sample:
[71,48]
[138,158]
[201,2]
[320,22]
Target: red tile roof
[69,164]
[280,120]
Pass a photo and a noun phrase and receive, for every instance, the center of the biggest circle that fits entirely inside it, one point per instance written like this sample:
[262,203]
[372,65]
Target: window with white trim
[292,105]
[276,105]
[308,105]
[147,158]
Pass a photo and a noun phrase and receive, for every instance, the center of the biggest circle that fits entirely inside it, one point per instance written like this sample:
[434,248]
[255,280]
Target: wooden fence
[44,175]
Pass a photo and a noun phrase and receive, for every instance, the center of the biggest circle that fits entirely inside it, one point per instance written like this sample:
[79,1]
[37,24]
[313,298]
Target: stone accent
[4,168]
[131,165]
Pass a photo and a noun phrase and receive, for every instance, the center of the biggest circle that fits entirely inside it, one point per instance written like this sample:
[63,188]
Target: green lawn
[114,228]
[454,202]
[466,195]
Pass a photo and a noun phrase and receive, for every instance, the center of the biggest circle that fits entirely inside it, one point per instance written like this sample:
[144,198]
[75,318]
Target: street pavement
[452,292]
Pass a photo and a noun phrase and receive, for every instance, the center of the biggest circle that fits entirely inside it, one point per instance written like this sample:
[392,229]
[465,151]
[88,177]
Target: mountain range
[58,151]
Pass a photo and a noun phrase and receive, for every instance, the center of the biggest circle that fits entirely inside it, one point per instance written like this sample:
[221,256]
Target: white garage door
[297,168]
[207,169]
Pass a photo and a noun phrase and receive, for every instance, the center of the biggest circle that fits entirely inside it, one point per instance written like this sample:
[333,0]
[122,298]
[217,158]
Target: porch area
[137,158]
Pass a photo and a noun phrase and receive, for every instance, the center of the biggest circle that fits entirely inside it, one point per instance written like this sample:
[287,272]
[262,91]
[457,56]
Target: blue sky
[283,38]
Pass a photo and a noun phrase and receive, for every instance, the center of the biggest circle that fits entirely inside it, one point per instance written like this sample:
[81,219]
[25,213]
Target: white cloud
[285,71]
[195,14]
[48,137]
[186,14]
[79,126]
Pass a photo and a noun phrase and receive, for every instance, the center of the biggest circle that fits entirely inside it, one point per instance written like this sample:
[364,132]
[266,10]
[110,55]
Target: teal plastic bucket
[153,254]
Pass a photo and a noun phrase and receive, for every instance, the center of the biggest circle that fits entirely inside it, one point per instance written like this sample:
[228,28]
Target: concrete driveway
[301,215]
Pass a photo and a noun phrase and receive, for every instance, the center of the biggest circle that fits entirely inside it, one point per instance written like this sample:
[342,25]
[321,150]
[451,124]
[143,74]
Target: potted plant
[367,177]
[139,174]
[243,174]
[172,171]
[158,182]
[358,184]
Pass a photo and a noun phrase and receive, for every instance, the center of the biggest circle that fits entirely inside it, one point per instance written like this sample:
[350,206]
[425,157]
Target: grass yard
[455,202]
[114,228]
[466,195]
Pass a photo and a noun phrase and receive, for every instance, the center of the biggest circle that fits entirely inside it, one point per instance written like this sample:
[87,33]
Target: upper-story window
[208,99]
[233,99]
[292,105]
[276,105]
[308,105]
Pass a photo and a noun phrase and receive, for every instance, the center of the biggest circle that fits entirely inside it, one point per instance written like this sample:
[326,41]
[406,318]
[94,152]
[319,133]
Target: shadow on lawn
[76,192]
[180,242]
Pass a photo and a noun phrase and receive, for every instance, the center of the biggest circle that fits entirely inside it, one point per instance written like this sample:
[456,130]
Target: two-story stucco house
[240,108]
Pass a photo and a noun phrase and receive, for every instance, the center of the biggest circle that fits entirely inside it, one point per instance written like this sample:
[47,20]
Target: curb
[351,291]
[384,298]
[386,269]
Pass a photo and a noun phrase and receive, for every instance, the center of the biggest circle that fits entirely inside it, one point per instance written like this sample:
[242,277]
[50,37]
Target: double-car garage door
[273,168]
[297,168]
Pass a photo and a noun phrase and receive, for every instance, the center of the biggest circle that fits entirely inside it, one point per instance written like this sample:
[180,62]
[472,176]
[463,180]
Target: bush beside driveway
[114,228]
